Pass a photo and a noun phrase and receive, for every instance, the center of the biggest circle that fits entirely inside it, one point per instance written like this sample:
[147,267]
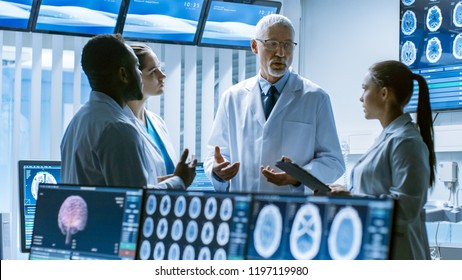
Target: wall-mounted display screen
[232,24]
[167,21]
[15,14]
[431,45]
[84,17]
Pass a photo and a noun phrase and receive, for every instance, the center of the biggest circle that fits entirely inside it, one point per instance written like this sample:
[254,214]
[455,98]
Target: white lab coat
[301,126]
[397,166]
[102,146]
[161,128]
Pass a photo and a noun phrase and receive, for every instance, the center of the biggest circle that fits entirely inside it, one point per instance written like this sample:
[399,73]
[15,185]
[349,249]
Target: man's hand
[222,169]
[186,170]
[278,178]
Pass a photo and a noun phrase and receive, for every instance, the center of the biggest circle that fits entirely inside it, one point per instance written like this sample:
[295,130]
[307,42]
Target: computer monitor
[231,24]
[31,174]
[82,18]
[163,21]
[201,181]
[16,14]
[75,222]
[320,227]
[193,225]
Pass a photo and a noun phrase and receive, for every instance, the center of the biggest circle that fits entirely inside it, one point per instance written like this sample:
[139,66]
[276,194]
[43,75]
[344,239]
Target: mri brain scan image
[192,231]
[174,252]
[226,209]
[195,207]
[204,254]
[207,233]
[457,46]
[408,53]
[159,251]
[408,23]
[220,254]
[408,2]
[145,250]
[268,231]
[180,206]
[165,205]
[148,227]
[162,228]
[210,208]
[306,233]
[223,234]
[72,216]
[188,253]
[434,18]
[457,15]
[151,205]
[345,236]
[177,230]
[434,50]
[41,177]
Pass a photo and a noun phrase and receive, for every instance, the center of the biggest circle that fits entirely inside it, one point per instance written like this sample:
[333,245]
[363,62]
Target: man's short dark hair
[104,54]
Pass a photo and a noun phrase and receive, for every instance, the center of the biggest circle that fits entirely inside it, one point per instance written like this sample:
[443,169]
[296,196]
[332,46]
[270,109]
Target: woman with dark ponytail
[401,162]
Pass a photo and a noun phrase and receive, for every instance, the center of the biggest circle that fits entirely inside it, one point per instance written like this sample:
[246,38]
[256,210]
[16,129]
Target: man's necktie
[270,101]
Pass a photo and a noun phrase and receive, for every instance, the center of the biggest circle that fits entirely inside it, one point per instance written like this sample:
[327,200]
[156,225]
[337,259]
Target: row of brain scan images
[176,226]
[441,29]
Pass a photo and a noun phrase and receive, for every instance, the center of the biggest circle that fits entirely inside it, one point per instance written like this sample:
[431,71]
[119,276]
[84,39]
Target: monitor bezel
[21,165]
[267,3]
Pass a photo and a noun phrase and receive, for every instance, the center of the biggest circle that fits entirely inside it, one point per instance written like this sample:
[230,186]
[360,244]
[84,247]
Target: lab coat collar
[97,96]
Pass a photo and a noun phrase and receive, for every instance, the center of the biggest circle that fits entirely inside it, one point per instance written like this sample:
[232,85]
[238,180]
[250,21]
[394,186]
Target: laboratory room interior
[43,86]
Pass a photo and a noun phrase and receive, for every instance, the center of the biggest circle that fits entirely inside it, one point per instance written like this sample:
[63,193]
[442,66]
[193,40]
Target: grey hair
[270,20]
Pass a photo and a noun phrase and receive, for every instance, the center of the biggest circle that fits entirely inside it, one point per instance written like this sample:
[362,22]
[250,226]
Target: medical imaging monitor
[75,222]
[31,174]
[182,225]
[287,227]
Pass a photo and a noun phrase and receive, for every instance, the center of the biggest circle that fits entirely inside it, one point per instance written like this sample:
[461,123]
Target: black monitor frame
[266,3]
[22,196]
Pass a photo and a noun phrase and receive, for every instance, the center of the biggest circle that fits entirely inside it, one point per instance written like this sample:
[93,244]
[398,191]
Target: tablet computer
[304,177]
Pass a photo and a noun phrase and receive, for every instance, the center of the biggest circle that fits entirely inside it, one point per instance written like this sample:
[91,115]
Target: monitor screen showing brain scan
[31,174]
[307,228]
[86,222]
[431,45]
[182,225]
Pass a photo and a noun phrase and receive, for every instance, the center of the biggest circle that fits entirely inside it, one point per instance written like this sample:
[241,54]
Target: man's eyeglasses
[273,45]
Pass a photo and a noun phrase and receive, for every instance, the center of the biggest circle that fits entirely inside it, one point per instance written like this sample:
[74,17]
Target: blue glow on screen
[431,45]
[233,24]
[15,14]
[163,20]
[89,17]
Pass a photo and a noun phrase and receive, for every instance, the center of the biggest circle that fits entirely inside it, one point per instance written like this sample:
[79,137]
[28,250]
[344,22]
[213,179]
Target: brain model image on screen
[457,15]
[434,50]
[73,216]
[457,47]
[193,227]
[306,233]
[408,23]
[408,53]
[434,18]
[345,235]
[41,177]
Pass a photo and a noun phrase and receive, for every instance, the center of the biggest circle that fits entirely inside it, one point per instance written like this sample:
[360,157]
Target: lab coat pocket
[298,141]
